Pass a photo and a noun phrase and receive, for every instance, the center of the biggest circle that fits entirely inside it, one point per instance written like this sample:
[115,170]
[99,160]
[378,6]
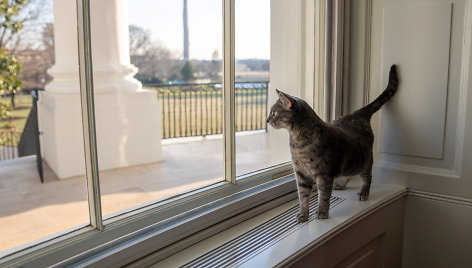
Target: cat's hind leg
[366,177]
[325,188]
[341,182]
[305,187]
[365,188]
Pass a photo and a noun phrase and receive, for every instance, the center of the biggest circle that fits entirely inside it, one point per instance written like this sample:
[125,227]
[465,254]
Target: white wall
[437,233]
[424,134]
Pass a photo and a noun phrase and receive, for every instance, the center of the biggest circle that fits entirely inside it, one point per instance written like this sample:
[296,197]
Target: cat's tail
[374,106]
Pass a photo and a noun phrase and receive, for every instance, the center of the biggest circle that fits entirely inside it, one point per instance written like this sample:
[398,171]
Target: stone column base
[128,130]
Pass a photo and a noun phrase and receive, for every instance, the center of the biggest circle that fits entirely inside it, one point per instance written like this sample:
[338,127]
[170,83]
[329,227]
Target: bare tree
[31,17]
[215,66]
[47,40]
[139,40]
[36,62]
[155,62]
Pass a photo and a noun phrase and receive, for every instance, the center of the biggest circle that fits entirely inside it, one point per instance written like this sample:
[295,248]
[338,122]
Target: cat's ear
[286,99]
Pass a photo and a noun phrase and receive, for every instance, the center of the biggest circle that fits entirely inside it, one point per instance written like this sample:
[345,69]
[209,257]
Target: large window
[160,121]
[34,203]
[156,127]
[254,148]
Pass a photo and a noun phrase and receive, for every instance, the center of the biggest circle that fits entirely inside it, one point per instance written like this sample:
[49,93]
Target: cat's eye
[274,113]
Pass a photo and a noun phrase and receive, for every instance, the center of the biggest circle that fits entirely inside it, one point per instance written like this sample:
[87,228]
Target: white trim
[44,246]
[312,233]
[229,91]
[388,198]
[464,86]
[88,113]
[195,238]
[342,227]
[441,197]
[417,169]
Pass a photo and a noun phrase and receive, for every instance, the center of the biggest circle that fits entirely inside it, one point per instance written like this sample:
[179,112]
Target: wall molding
[463,87]
[450,173]
[343,227]
[441,197]
[455,170]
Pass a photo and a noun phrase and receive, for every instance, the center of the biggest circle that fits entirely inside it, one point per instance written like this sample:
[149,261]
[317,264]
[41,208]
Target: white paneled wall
[424,134]
[416,36]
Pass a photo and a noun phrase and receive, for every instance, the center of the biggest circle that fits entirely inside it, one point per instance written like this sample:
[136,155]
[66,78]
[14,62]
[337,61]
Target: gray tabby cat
[322,151]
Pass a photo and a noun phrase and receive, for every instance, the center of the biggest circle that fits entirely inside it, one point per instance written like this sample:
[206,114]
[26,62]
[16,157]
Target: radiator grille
[243,247]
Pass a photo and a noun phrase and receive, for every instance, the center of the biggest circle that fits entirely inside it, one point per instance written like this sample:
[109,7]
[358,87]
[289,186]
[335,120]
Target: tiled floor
[30,210]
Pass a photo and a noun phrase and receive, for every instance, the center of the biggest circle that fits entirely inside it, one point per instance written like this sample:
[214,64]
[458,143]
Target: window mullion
[328,60]
[88,113]
[228,90]
[340,60]
[336,58]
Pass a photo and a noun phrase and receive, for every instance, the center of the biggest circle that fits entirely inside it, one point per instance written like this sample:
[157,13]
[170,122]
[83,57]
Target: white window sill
[315,231]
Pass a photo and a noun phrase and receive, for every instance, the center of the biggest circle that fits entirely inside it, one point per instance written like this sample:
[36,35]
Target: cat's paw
[302,217]
[363,196]
[338,186]
[340,183]
[321,215]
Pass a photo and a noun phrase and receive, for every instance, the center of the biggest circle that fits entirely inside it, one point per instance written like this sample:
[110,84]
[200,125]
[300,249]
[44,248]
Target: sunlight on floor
[31,210]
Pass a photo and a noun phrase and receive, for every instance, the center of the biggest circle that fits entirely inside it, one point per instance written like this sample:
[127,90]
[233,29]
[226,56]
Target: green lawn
[192,113]
[20,113]
[12,127]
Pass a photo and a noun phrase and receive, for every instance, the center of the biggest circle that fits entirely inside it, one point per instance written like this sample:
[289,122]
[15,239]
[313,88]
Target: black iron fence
[9,138]
[29,143]
[186,110]
[197,109]
[17,143]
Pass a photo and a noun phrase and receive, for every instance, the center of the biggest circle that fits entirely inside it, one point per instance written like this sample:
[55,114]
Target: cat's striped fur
[324,151]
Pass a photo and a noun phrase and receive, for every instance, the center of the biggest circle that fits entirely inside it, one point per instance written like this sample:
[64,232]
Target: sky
[164,19]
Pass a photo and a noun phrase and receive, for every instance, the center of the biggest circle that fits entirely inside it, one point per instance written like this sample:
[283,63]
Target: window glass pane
[46,48]
[256,146]
[158,98]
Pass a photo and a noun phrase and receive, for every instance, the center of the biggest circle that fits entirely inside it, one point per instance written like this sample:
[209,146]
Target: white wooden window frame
[200,213]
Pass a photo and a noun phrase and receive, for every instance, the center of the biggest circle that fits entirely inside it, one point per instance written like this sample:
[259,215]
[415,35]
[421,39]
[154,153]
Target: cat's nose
[267,121]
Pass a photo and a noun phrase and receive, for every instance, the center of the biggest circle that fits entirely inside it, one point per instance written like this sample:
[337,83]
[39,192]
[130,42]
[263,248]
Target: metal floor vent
[245,246]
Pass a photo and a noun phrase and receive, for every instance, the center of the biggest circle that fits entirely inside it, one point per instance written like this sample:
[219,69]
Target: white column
[110,47]
[66,67]
[127,117]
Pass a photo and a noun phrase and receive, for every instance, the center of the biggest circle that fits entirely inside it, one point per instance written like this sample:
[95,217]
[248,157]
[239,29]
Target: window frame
[158,224]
